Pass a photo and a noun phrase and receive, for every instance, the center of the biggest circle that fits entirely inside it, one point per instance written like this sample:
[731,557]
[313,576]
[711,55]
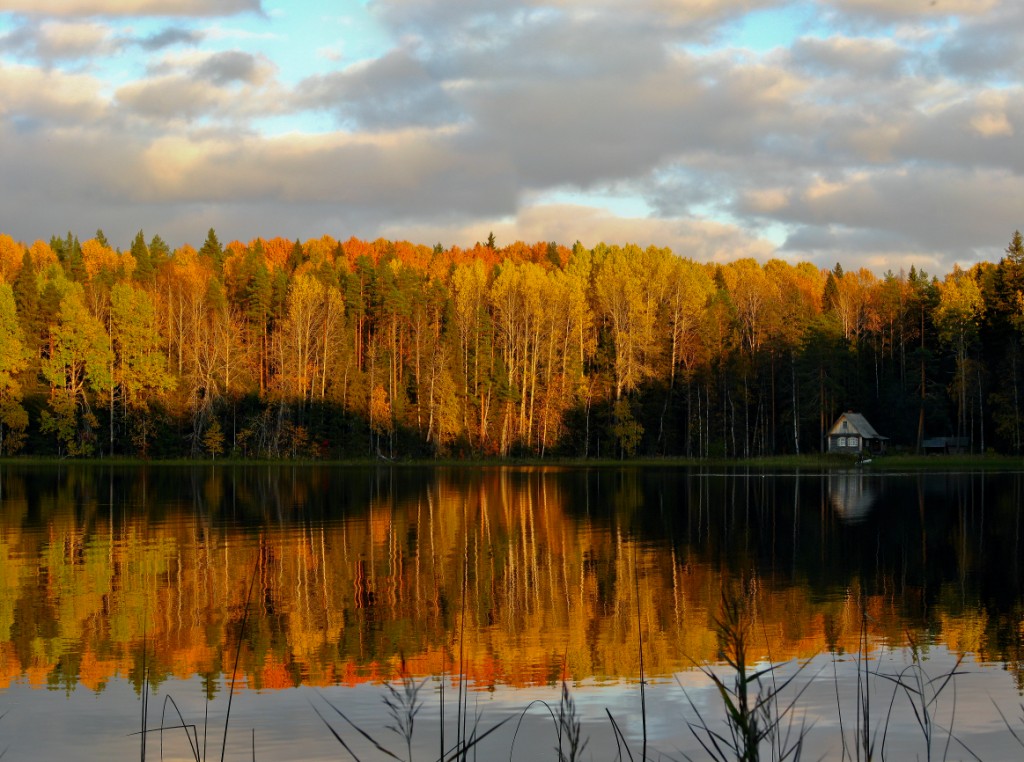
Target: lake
[297,594]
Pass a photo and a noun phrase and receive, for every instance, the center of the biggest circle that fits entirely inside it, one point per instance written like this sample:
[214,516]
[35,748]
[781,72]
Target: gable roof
[858,423]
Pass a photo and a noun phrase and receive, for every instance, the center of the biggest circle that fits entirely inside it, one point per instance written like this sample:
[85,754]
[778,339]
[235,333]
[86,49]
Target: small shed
[852,434]
[946,445]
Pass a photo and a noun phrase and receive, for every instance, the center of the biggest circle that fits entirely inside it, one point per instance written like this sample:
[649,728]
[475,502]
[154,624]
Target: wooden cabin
[852,434]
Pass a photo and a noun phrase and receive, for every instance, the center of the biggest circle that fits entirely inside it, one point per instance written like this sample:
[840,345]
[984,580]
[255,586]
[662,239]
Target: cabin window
[854,442]
[841,442]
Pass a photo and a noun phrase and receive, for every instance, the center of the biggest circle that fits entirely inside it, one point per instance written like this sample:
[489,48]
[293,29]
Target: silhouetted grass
[760,718]
[191,730]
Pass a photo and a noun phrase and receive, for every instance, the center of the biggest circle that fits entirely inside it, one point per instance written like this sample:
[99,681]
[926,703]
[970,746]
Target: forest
[329,349]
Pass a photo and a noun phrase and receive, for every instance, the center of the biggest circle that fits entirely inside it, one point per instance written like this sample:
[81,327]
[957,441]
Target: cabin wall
[844,443]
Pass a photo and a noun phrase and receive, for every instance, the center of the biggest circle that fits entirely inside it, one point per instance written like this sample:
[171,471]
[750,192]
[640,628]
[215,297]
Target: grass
[759,716]
[814,461]
[756,713]
[197,751]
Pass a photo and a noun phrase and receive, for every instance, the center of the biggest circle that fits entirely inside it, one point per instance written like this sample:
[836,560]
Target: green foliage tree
[13,360]
[213,439]
[143,262]
[139,367]
[626,430]
[213,251]
[305,343]
[27,305]
[159,251]
[78,363]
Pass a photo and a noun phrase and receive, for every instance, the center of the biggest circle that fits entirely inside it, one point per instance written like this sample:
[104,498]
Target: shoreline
[885,463]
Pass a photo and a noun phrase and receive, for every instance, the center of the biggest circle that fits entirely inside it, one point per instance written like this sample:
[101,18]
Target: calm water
[336,580]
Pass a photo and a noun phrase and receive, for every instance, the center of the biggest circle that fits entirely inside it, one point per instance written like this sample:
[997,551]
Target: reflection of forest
[518,573]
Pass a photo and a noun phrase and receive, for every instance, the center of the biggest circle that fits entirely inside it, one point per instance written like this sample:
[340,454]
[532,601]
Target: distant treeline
[328,349]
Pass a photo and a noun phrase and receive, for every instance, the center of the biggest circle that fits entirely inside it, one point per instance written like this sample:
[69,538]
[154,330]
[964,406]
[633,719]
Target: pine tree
[213,251]
[13,417]
[159,251]
[296,257]
[26,300]
[69,254]
[143,262]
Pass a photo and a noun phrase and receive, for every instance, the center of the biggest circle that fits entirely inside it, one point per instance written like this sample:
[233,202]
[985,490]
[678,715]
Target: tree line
[337,349]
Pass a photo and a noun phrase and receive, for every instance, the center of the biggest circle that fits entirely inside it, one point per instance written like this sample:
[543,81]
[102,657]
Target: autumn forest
[329,349]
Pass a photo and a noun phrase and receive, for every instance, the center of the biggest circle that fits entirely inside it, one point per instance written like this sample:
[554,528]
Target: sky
[875,133]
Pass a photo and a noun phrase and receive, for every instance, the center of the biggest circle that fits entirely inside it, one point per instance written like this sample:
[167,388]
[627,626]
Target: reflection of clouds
[852,495]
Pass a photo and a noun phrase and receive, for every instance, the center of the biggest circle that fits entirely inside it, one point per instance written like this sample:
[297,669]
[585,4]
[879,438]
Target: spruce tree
[159,251]
[143,262]
[26,300]
[212,250]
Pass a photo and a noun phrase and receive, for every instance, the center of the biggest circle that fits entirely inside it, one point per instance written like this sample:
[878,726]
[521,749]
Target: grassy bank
[812,462]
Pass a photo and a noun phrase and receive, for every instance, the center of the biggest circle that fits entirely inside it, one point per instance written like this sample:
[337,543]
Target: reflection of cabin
[853,494]
[945,445]
[851,433]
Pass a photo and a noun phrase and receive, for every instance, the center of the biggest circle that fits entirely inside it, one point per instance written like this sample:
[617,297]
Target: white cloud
[45,98]
[904,9]
[129,7]
[703,240]
[868,148]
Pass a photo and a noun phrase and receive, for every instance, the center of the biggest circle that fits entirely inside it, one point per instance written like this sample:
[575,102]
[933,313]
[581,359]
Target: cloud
[987,46]
[949,214]
[231,85]
[862,57]
[228,67]
[169,37]
[51,100]
[866,148]
[393,91]
[898,10]
[54,41]
[129,7]
[170,97]
[703,240]
[483,21]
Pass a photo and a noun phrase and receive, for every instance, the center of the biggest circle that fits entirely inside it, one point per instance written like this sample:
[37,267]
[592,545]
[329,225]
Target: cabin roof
[858,423]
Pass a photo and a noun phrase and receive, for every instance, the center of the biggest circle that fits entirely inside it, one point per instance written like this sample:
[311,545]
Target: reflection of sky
[98,726]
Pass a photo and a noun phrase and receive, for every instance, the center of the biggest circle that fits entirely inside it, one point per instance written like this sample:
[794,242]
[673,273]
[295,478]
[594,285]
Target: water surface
[505,580]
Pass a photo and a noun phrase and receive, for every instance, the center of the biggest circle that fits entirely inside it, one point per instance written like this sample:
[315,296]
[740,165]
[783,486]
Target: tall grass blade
[1006,722]
[238,653]
[360,731]
[522,716]
[193,747]
[640,646]
[145,693]
[476,740]
[334,732]
[620,739]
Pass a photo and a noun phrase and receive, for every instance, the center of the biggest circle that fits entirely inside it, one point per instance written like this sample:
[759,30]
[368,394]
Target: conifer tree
[212,250]
[13,360]
[27,303]
[143,262]
[159,251]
